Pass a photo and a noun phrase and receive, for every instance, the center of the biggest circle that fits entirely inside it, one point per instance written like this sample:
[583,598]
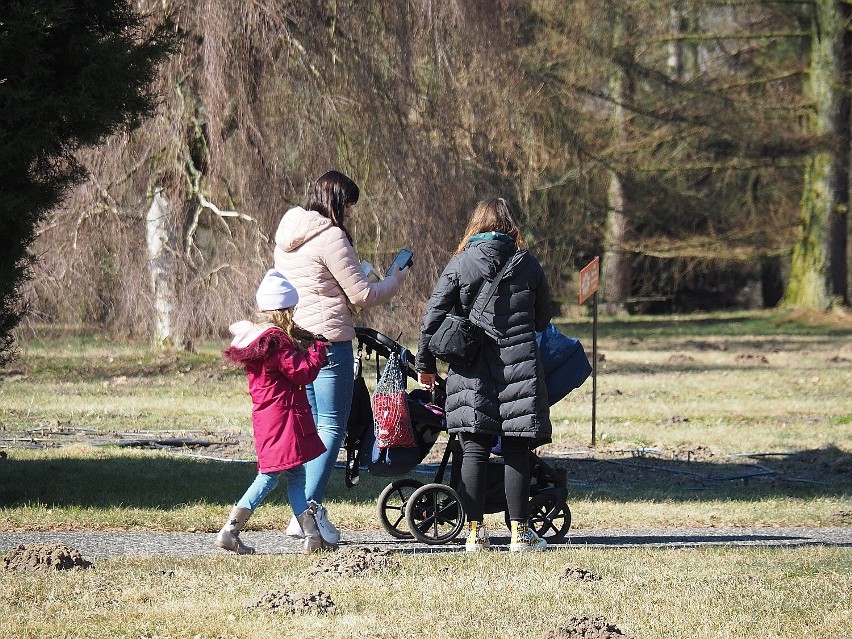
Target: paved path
[97,545]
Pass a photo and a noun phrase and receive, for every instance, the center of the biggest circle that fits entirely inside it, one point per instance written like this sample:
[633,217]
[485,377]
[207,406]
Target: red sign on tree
[589,278]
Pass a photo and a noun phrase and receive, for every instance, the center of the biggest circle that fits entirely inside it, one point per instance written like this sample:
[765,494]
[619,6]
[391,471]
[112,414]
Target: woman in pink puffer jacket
[314,251]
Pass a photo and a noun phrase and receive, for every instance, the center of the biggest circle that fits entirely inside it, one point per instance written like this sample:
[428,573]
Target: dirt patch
[752,358]
[354,561]
[294,603]
[585,628]
[574,573]
[234,444]
[688,453]
[43,557]
[707,346]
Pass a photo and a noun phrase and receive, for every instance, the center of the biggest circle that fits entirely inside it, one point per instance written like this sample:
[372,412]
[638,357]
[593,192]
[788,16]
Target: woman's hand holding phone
[402,261]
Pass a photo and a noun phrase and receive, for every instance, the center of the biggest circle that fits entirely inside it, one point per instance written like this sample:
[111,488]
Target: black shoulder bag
[458,340]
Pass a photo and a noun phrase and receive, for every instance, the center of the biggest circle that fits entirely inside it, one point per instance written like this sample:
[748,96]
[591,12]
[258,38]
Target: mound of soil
[573,573]
[354,561]
[294,603]
[585,628]
[695,453]
[38,557]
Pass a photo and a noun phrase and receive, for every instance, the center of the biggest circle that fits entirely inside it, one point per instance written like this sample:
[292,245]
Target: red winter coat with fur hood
[285,435]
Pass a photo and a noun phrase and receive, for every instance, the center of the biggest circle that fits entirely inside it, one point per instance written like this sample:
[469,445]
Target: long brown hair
[330,194]
[283,319]
[493,214]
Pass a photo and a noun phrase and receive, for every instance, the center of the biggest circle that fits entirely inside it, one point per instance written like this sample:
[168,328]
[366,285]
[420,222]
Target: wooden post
[589,282]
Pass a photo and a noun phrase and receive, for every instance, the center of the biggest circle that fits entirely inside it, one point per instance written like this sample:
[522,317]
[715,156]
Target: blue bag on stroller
[565,364]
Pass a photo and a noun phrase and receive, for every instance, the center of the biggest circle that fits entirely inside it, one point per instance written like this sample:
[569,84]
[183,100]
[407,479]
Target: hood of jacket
[298,226]
[486,256]
[252,342]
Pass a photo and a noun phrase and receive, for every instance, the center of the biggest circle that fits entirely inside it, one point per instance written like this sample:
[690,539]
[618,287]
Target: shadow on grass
[165,483]
[149,483]
[823,472]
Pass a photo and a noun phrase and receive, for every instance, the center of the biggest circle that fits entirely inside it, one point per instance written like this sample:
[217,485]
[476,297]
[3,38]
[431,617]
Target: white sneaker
[327,529]
[294,529]
[527,541]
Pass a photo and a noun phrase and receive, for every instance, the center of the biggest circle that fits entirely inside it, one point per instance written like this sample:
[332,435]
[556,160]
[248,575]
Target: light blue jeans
[265,483]
[330,396]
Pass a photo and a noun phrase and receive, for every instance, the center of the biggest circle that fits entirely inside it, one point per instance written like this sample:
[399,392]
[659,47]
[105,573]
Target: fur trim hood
[253,342]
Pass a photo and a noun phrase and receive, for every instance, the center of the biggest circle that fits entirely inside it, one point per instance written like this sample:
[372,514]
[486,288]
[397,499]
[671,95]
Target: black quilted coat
[503,392]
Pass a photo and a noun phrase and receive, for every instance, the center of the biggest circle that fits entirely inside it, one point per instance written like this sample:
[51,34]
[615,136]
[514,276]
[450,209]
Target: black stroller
[431,512]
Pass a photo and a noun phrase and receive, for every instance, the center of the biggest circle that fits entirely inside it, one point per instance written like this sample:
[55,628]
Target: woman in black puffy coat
[503,392]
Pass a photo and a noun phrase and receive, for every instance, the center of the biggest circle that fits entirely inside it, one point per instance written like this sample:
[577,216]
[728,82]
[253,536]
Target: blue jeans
[330,396]
[264,484]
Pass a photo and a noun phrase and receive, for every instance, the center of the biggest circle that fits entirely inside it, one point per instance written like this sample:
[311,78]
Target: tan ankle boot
[229,537]
[314,541]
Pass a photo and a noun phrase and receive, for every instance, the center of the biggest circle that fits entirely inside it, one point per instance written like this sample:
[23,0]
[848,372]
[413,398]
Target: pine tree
[71,73]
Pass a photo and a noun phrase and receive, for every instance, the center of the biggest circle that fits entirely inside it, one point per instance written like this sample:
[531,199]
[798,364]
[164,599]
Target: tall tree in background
[818,271]
[72,72]
[704,143]
[617,274]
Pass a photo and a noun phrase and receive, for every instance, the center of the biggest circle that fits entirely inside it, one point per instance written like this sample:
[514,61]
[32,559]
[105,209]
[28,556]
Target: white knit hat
[275,292]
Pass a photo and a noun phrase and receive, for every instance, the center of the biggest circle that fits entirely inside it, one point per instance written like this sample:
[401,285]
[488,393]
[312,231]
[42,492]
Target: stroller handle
[374,341]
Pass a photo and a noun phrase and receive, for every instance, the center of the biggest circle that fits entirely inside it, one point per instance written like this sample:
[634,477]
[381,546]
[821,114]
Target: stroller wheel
[434,514]
[391,504]
[550,516]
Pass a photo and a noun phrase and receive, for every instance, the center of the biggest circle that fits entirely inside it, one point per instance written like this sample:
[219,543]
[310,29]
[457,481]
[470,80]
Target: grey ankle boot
[314,541]
[229,537]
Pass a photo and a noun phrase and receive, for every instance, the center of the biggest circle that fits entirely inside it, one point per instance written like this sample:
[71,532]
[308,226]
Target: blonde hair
[493,214]
[283,319]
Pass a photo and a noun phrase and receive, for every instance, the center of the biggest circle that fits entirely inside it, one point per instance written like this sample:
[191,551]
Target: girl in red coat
[280,358]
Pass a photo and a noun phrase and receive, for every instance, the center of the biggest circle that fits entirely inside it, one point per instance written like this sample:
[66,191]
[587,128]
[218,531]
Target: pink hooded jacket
[317,258]
[285,435]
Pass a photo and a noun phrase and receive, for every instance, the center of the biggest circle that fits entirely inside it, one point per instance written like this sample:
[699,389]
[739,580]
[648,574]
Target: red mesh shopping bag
[390,408]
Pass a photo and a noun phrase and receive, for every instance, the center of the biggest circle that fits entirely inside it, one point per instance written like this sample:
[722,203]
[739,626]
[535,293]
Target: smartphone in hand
[403,259]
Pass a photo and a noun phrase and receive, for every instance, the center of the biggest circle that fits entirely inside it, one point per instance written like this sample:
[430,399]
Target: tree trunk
[683,54]
[161,263]
[617,268]
[617,275]
[818,267]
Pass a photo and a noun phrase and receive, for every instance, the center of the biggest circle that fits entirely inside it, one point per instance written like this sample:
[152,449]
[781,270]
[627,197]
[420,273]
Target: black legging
[476,449]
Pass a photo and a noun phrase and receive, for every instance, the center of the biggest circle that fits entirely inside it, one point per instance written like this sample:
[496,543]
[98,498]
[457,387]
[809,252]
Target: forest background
[701,148]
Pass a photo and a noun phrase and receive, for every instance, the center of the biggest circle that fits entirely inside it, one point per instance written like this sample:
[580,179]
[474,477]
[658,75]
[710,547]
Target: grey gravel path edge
[100,545]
